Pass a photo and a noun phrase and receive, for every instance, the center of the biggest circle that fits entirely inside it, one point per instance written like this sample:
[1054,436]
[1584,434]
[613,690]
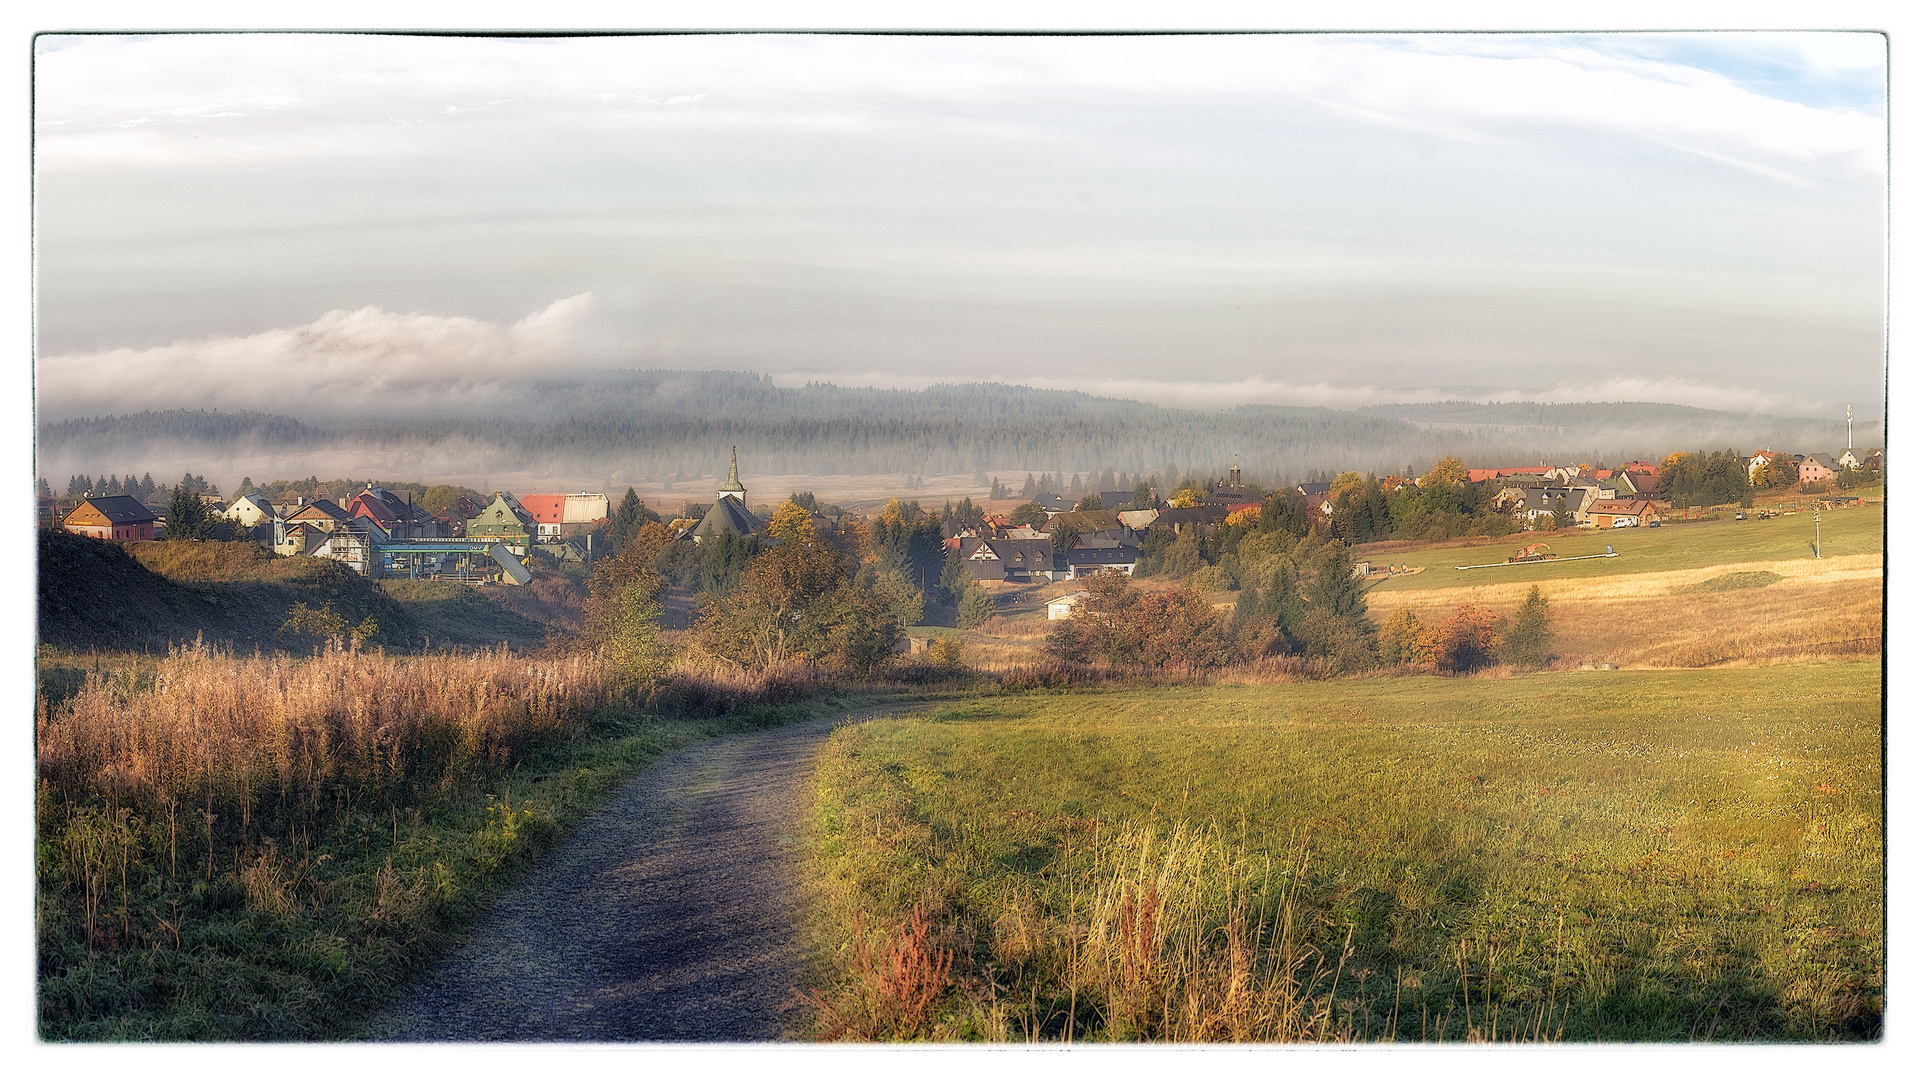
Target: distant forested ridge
[670,425]
[184,425]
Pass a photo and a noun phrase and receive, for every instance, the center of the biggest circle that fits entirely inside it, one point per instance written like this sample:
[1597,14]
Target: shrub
[1407,640]
[1120,624]
[1466,639]
[1342,642]
[945,652]
[1213,579]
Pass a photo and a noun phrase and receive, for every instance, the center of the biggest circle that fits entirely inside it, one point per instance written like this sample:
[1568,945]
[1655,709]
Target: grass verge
[1619,856]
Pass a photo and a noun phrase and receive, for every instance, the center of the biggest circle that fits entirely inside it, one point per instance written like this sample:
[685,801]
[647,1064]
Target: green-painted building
[504,521]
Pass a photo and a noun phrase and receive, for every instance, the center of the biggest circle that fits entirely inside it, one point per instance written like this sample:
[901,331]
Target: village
[1054,529]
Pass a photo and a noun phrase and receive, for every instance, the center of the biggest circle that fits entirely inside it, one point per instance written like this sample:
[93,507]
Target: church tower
[732,489]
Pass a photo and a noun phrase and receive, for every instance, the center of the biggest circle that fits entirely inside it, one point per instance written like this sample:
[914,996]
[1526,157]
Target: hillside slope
[146,594]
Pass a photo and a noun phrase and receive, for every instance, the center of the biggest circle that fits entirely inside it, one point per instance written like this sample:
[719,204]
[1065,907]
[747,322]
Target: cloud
[320,92]
[341,363]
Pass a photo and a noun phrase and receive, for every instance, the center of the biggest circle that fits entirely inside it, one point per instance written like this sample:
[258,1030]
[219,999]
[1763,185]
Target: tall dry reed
[211,747]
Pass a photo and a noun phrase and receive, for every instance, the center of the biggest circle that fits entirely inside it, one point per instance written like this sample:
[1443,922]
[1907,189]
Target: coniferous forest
[667,425]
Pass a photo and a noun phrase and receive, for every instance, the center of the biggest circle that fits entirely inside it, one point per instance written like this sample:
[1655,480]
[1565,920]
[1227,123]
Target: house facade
[297,530]
[1085,562]
[1005,559]
[559,514]
[504,521]
[1622,513]
[250,511]
[1815,468]
[110,517]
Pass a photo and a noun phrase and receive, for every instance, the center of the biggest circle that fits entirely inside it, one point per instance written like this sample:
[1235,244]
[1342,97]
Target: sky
[326,225]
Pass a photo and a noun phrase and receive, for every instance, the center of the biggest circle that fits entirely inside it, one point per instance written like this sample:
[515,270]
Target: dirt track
[670,915]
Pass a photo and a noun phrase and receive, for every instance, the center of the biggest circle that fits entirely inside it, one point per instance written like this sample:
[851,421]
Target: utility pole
[1816,532]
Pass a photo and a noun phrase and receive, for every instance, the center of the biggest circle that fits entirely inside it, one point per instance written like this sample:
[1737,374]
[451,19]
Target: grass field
[1580,856]
[1696,545]
[1668,600]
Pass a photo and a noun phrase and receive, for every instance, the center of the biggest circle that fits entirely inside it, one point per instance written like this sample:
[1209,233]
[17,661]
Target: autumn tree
[1119,623]
[623,606]
[796,602]
[1406,640]
[1466,640]
[1449,471]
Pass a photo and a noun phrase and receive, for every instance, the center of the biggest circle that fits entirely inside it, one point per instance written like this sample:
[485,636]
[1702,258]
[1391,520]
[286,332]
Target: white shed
[1062,607]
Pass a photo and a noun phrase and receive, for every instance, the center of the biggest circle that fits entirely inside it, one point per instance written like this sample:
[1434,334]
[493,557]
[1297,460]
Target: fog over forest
[614,428]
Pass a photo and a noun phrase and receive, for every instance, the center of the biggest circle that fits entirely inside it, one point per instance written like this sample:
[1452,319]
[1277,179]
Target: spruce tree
[186,515]
[1528,638]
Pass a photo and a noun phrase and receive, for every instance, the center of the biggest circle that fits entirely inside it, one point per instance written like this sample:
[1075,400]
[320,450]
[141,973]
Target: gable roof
[117,509]
[1825,461]
[1021,552]
[316,510]
[369,505]
[503,500]
[1625,507]
[1546,498]
[1643,483]
[546,509]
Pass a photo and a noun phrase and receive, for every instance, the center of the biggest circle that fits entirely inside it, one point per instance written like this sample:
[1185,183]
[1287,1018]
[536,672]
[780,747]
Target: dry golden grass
[1622,587]
[1831,608]
[223,734]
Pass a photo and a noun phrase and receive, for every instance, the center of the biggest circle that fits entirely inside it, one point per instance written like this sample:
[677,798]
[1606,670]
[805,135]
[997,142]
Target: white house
[249,511]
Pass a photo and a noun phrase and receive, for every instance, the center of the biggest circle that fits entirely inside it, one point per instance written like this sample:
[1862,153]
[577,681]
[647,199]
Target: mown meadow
[1573,856]
[1693,545]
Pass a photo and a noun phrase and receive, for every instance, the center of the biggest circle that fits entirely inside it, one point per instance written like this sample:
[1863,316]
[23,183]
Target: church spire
[733,488]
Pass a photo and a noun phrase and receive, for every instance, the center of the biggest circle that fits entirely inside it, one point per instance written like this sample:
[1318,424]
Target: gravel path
[669,915]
